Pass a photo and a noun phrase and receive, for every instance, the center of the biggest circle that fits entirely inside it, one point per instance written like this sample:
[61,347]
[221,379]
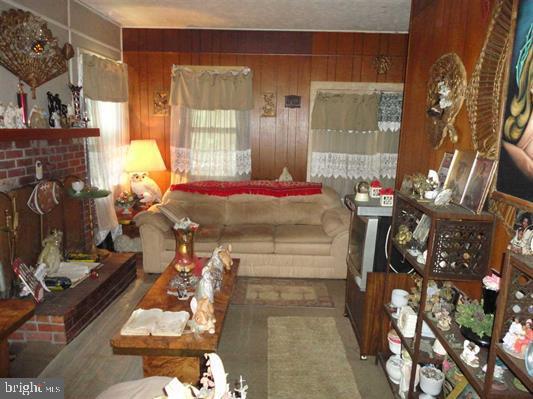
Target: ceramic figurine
[422,257]
[515,329]
[19,119]
[10,116]
[51,253]
[523,339]
[204,316]
[443,198]
[37,118]
[145,188]
[57,120]
[469,355]
[404,235]
[444,320]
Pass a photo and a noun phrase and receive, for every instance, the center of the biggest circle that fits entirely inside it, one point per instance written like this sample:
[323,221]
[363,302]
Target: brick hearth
[62,316]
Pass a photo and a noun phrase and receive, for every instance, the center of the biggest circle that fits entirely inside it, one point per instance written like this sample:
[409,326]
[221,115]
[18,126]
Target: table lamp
[143,157]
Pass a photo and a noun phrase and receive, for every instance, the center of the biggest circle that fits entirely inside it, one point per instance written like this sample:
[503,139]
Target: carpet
[281,292]
[306,359]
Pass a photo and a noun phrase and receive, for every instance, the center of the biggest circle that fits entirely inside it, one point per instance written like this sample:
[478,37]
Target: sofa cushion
[249,238]
[251,209]
[301,234]
[211,212]
[335,221]
[302,248]
[299,212]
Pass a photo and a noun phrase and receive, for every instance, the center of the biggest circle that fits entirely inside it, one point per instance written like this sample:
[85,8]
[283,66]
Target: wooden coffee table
[176,356]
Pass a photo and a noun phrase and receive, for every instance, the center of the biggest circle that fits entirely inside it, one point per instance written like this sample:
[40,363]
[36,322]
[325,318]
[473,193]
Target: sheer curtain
[107,108]
[353,137]
[210,123]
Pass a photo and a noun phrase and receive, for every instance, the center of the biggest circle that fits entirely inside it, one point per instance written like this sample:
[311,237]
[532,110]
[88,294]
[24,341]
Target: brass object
[447,73]
[404,235]
[382,63]
[269,107]
[29,50]
[485,89]
[161,103]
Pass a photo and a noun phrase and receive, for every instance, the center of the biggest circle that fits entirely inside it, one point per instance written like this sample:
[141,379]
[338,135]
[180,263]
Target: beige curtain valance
[104,80]
[210,88]
[345,111]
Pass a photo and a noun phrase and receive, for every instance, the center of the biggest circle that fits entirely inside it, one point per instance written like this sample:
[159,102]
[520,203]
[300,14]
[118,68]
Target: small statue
[51,253]
[515,329]
[37,118]
[204,316]
[56,120]
[443,320]
[523,339]
[404,235]
[469,355]
[10,116]
[19,119]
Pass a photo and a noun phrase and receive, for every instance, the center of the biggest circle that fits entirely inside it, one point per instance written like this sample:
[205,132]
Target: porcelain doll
[515,329]
[469,355]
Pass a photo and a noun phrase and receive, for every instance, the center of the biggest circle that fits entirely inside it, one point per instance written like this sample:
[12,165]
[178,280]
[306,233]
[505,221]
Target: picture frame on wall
[444,167]
[478,184]
[515,171]
[522,241]
[459,173]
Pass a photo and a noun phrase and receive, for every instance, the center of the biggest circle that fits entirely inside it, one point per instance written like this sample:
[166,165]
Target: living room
[289,182]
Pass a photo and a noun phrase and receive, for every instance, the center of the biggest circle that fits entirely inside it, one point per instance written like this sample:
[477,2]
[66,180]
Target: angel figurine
[469,355]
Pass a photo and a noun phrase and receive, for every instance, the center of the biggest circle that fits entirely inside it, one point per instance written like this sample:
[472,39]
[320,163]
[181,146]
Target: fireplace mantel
[46,134]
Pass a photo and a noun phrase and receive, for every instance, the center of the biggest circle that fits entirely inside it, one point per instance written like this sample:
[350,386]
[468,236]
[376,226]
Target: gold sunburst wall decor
[29,50]
[445,95]
[485,89]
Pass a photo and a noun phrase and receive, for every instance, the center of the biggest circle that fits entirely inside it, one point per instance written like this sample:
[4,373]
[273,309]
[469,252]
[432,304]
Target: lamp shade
[144,156]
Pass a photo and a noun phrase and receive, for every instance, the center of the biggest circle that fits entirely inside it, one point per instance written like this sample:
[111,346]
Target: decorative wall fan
[446,91]
[29,50]
[484,93]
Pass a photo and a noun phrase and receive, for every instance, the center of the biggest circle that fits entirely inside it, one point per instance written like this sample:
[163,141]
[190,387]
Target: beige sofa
[297,236]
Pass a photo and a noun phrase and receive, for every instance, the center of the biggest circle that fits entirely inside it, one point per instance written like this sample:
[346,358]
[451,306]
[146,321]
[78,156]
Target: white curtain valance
[353,166]
[345,111]
[104,80]
[211,88]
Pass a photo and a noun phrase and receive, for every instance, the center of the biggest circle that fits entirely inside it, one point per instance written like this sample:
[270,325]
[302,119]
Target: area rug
[306,359]
[281,292]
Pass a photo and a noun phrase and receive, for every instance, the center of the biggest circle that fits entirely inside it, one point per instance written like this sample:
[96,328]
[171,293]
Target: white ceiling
[298,15]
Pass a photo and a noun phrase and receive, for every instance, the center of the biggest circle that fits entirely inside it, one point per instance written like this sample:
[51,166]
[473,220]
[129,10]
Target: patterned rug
[306,359]
[281,292]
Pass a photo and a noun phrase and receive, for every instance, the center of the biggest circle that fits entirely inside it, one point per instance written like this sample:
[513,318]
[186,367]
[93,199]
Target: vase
[431,381]
[489,301]
[472,336]
[184,259]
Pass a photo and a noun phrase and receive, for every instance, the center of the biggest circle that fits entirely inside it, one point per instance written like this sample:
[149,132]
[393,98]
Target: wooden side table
[13,314]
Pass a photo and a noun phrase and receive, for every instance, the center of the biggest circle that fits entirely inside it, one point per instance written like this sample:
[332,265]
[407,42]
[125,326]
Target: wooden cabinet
[515,300]
[458,246]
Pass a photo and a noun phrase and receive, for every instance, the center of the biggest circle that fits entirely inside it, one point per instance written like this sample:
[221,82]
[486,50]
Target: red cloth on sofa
[261,187]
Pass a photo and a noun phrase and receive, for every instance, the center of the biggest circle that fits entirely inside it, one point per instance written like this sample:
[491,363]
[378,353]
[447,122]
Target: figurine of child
[469,355]
[512,334]
[443,320]
[523,339]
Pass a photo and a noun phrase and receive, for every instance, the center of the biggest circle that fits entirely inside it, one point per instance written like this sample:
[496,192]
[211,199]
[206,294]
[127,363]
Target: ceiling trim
[265,30]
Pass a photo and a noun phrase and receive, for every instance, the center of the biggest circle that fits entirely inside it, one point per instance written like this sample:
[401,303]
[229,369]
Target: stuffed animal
[145,188]
[51,253]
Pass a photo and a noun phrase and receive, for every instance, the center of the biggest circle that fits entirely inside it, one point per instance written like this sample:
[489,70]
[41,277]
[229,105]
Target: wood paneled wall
[283,62]
[439,27]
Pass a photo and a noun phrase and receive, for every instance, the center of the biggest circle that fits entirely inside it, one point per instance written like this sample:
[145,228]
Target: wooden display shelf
[47,134]
[410,258]
[517,366]
[450,211]
[382,358]
[408,343]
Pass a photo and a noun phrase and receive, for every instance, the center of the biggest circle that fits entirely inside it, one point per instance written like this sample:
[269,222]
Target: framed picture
[459,387]
[515,172]
[522,241]
[478,184]
[459,172]
[444,167]
[422,229]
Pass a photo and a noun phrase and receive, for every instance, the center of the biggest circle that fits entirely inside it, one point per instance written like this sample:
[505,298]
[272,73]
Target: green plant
[471,315]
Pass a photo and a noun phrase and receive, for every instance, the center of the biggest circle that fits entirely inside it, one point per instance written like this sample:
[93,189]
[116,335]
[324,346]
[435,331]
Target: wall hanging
[446,91]
[29,50]
[484,92]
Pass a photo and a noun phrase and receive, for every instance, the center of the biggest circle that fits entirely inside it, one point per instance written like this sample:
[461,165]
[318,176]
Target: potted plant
[475,325]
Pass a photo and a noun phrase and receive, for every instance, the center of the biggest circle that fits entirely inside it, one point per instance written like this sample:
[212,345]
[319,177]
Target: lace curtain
[106,154]
[341,156]
[209,145]
[212,143]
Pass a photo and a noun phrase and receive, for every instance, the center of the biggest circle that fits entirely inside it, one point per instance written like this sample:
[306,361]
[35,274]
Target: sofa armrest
[153,217]
[335,221]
